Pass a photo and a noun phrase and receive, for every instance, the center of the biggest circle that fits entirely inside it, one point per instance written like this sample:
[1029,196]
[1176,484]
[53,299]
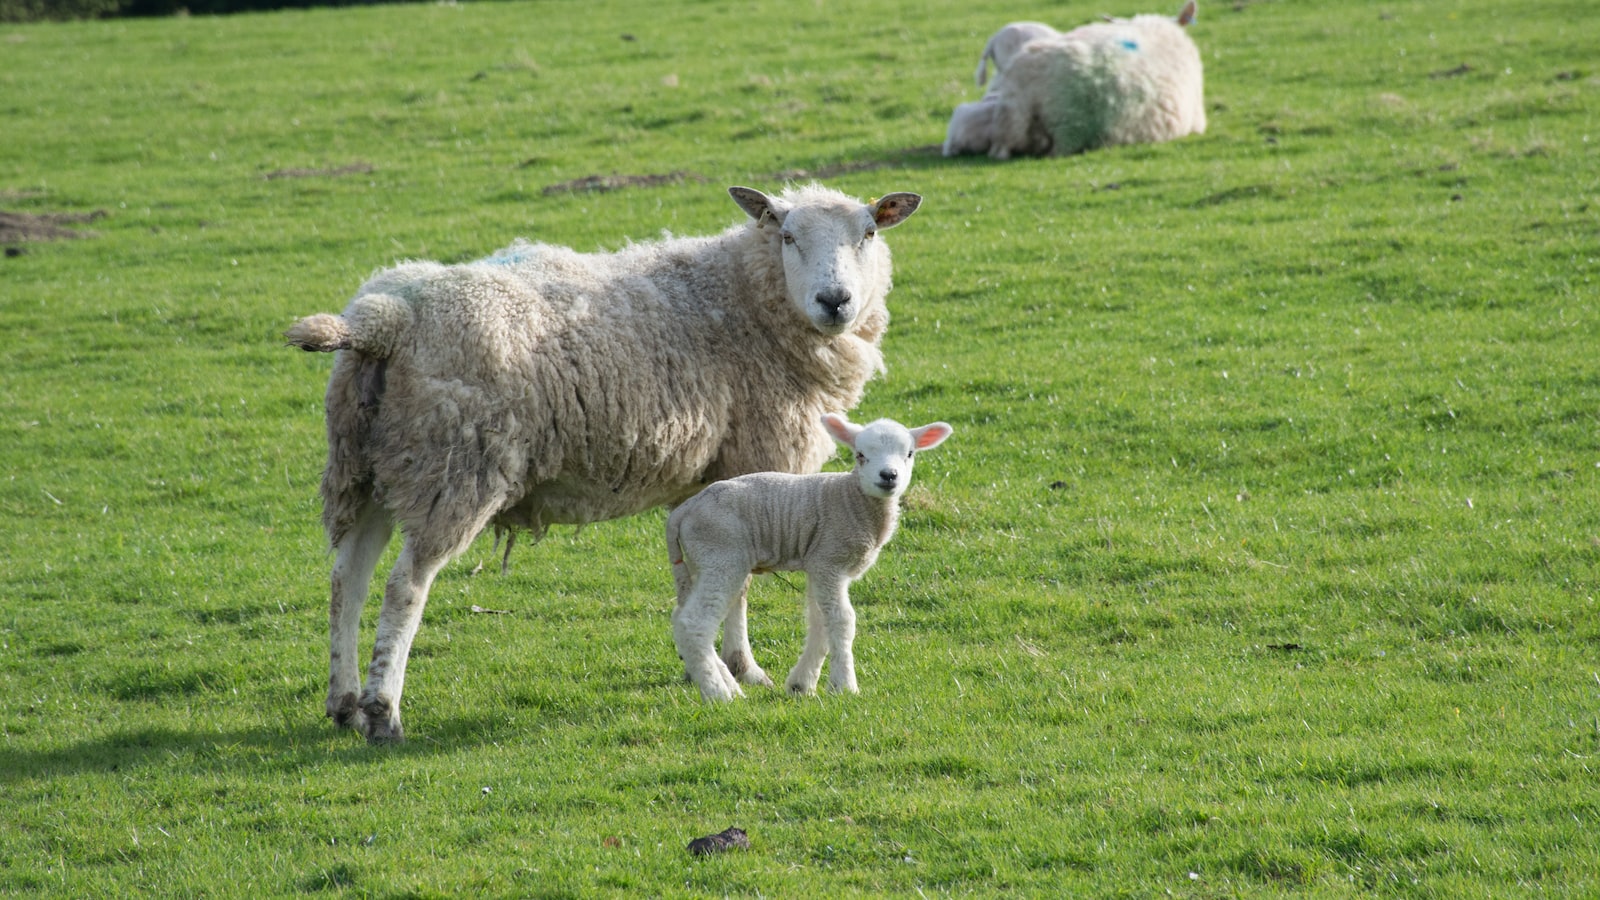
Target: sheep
[1005,44]
[1125,81]
[540,386]
[830,526]
[971,127]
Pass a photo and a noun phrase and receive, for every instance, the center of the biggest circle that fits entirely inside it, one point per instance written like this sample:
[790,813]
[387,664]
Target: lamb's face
[834,266]
[884,452]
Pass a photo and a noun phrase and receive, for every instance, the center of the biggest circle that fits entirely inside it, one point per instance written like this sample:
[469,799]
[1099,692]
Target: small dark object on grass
[732,839]
[14,251]
[1451,73]
[1057,485]
[1286,647]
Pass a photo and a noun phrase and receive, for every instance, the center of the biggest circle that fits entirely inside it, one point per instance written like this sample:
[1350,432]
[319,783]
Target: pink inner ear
[932,436]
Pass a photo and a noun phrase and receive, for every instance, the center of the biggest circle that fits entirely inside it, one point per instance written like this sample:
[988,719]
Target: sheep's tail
[373,324]
[982,75]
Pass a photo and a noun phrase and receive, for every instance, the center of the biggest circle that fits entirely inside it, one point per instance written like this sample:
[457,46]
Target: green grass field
[1264,559]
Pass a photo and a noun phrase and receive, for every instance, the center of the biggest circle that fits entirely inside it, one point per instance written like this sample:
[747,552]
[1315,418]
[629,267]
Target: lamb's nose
[833,300]
[888,477]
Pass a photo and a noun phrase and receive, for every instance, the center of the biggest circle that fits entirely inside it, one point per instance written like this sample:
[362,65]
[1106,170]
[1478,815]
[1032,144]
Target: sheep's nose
[888,477]
[833,300]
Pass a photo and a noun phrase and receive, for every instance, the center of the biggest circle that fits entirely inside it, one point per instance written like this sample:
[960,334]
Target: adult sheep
[1126,81]
[542,386]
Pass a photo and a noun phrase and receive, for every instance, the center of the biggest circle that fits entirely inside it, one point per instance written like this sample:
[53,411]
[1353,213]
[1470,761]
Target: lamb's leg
[403,600]
[357,552]
[694,631]
[736,652]
[803,677]
[830,628]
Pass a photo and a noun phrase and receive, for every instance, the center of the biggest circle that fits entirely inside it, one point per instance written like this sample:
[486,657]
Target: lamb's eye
[871,233]
[861,459]
[788,238]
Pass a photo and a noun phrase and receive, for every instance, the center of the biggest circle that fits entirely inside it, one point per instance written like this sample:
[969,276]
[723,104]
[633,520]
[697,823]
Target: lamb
[1125,81]
[971,127]
[540,386]
[1005,44]
[830,526]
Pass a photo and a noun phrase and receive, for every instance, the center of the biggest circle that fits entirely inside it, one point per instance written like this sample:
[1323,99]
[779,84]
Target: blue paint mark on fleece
[1131,45]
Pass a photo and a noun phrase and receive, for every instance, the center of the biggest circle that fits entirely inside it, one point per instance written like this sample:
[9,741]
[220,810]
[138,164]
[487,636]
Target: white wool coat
[563,387]
[1125,81]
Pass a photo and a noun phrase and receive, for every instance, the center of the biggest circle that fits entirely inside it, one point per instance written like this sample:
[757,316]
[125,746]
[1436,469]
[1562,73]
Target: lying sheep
[1125,81]
[830,526]
[542,386]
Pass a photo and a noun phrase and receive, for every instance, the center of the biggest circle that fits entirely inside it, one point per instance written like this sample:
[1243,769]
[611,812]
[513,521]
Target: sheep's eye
[871,233]
[788,238]
[861,459]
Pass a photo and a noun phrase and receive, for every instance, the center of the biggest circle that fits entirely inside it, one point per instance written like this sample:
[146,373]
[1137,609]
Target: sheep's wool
[549,386]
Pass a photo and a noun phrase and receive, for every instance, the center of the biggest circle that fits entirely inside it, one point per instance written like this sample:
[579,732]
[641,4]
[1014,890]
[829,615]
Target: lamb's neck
[879,515]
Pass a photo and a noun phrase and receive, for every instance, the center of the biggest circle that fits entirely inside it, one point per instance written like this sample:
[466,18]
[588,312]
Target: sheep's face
[833,264]
[884,451]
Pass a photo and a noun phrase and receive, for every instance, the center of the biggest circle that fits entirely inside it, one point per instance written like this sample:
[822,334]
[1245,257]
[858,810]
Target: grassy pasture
[1264,559]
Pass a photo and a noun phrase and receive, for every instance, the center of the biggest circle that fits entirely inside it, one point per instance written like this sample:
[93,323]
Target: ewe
[542,386]
[1126,81]
[830,526]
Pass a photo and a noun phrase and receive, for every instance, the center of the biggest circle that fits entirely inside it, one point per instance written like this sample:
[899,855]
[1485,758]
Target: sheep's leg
[403,600]
[830,628]
[357,556]
[694,630]
[736,652]
[803,677]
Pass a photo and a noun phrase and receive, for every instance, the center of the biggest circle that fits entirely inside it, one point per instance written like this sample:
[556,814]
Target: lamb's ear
[930,436]
[758,205]
[841,429]
[1188,13]
[892,209]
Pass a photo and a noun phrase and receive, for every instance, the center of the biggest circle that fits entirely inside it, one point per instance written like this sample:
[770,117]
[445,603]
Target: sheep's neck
[883,513]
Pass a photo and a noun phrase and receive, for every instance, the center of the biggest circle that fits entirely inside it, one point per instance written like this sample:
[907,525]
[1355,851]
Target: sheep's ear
[1188,13]
[892,209]
[930,436]
[758,205]
[841,429]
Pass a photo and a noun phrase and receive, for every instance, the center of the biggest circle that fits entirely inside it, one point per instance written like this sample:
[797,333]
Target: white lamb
[1125,81]
[830,526]
[1005,44]
[542,386]
[971,127]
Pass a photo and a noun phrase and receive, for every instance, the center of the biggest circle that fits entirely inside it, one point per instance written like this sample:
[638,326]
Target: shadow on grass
[282,748]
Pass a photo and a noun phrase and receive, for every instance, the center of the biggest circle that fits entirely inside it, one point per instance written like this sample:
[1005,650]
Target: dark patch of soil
[334,172]
[17,228]
[600,184]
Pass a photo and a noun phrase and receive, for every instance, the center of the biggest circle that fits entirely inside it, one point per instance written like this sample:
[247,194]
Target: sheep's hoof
[796,689]
[383,722]
[344,711]
[744,668]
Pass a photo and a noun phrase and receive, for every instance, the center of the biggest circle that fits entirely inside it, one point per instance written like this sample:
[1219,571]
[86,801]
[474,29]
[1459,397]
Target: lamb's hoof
[344,711]
[796,689]
[383,722]
[744,669]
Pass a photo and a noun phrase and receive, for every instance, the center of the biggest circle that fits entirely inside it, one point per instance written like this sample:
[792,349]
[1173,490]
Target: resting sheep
[541,386]
[1125,81]
[830,526]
